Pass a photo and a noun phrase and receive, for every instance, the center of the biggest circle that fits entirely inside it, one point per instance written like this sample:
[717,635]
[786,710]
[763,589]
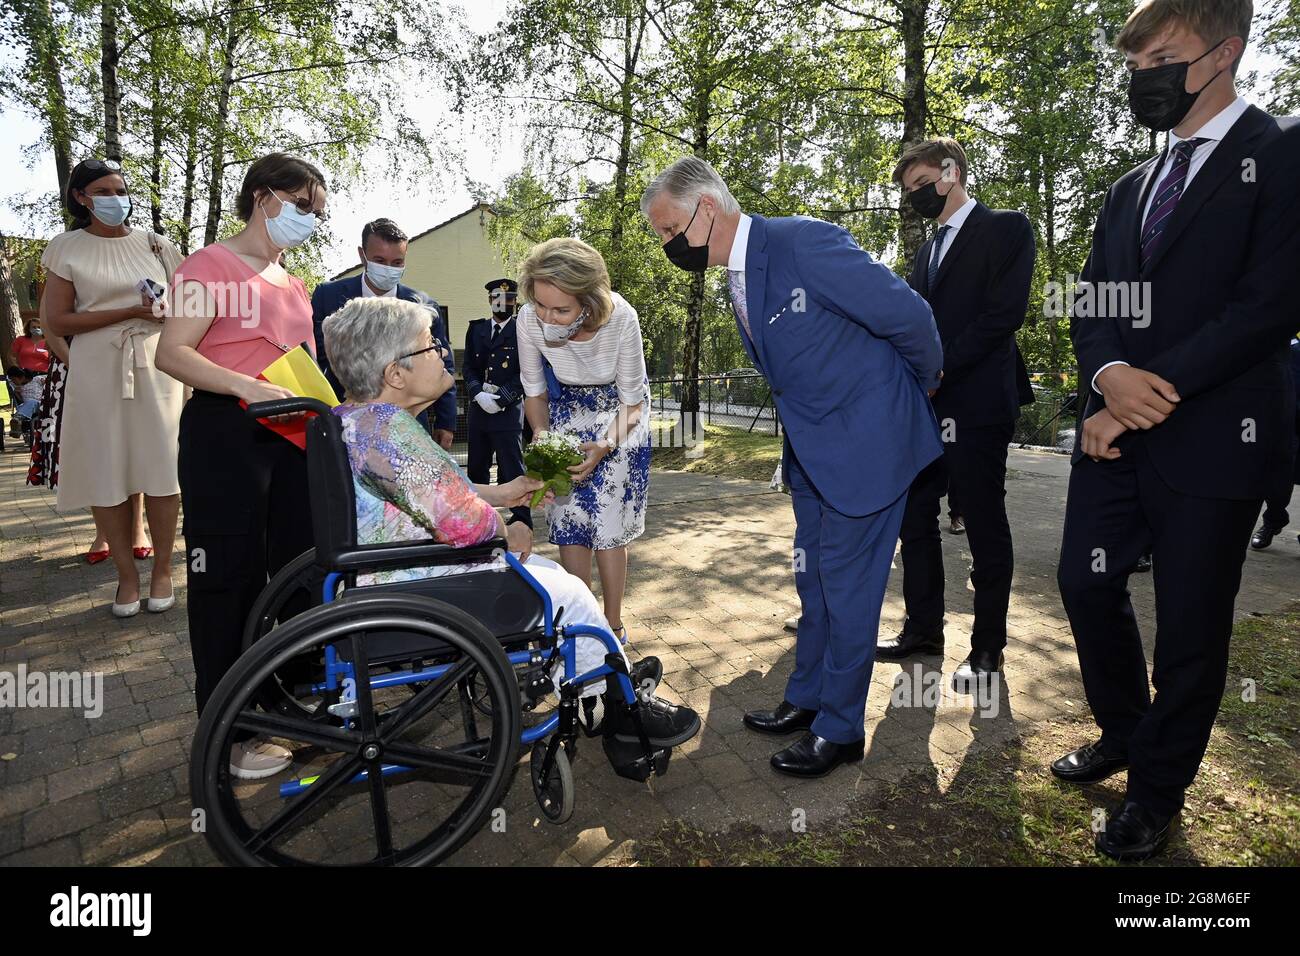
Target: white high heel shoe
[158,605]
[126,610]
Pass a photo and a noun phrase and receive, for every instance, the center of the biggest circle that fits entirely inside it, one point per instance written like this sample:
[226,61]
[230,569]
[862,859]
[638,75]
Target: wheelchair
[19,426]
[404,703]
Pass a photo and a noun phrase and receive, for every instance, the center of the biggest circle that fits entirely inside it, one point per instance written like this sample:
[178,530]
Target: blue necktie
[933,272]
[1167,195]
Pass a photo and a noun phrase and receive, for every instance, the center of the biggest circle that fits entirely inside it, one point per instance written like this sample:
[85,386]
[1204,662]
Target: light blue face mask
[290,227]
[383,277]
[111,210]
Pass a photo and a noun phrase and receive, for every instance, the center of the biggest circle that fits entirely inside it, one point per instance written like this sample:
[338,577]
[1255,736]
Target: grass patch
[1003,807]
[726,452]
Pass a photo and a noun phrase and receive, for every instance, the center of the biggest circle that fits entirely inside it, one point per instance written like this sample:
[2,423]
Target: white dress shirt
[954,223]
[740,248]
[1213,131]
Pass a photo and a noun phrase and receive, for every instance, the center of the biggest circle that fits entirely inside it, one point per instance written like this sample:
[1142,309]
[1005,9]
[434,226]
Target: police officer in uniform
[496,413]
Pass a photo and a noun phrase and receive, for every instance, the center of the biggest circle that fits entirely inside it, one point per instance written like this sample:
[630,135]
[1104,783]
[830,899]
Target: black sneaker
[666,725]
[645,675]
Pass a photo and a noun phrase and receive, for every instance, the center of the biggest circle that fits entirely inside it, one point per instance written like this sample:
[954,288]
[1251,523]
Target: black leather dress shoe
[975,668]
[813,756]
[1134,834]
[907,644]
[1262,538]
[786,719]
[1088,764]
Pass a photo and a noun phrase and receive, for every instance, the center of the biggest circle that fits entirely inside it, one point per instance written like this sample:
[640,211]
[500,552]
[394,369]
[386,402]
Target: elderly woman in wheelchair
[402,694]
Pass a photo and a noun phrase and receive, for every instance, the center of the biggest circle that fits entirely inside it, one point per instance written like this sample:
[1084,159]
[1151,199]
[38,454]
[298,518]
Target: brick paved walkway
[710,586]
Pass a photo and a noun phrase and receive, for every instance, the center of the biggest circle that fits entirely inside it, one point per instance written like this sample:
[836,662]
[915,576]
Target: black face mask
[1158,96]
[686,256]
[927,201]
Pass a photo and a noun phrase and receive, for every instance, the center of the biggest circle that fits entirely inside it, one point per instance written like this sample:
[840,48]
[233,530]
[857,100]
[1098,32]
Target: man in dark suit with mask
[496,410]
[975,273]
[383,260]
[1180,325]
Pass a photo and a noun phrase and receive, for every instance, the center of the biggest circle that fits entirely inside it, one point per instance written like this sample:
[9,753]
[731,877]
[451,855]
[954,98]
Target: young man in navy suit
[1189,404]
[850,353]
[383,260]
[975,273]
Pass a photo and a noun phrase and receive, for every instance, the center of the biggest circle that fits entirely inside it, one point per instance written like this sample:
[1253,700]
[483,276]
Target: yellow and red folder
[297,371]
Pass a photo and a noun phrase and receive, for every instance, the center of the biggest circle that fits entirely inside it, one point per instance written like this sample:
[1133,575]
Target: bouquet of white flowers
[548,459]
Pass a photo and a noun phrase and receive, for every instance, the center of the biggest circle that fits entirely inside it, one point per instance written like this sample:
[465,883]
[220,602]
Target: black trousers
[507,446]
[974,467]
[1275,514]
[244,491]
[1116,511]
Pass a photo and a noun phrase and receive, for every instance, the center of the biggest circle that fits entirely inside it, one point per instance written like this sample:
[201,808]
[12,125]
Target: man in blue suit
[383,260]
[851,354]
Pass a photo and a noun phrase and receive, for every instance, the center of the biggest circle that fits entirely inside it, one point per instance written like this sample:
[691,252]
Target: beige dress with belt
[121,415]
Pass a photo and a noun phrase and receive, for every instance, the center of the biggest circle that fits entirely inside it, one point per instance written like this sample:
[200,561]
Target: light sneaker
[258,758]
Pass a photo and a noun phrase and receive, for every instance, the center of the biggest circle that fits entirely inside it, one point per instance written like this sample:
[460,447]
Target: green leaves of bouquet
[548,459]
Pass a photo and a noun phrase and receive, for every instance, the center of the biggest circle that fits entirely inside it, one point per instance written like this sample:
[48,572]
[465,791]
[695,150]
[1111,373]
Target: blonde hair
[574,267]
[1211,20]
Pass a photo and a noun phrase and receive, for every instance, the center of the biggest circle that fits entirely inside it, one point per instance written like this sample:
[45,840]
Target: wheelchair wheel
[557,798]
[299,580]
[295,578]
[387,777]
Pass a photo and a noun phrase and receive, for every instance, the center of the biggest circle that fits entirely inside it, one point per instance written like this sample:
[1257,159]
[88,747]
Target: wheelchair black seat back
[509,608]
[399,701]
[503,603]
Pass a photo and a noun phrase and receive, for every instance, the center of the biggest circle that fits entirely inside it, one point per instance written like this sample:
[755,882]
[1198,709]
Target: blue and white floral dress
[587,382]
[608,509]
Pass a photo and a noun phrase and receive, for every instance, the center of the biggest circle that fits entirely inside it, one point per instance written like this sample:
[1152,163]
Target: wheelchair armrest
[287,406]
[406,554]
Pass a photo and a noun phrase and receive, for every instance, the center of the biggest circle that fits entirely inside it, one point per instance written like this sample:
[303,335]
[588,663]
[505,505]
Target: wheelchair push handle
[287,406]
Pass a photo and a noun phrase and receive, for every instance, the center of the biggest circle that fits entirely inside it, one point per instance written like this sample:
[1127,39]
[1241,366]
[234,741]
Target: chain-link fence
[738,399]
[742,399]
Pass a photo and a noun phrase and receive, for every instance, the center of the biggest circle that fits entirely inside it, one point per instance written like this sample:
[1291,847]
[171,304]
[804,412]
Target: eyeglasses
[304,206]
[110,165]
[442,352]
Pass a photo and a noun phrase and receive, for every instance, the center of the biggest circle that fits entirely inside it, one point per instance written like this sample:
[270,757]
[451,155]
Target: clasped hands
[1135,398]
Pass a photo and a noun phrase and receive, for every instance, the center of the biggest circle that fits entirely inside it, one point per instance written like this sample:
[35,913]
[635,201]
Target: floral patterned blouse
[408,488]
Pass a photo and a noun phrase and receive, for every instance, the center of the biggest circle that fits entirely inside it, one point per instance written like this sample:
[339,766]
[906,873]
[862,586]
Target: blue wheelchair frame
[338,671]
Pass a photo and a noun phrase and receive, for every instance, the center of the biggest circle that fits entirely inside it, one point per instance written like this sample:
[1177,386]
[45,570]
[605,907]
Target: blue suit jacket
[849,350]
[329,297]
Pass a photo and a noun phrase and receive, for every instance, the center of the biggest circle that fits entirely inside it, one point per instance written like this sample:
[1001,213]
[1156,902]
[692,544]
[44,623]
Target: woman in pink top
[235,310]
[29,350]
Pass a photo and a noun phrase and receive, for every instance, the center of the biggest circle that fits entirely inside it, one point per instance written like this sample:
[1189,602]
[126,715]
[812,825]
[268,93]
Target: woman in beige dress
[121,414]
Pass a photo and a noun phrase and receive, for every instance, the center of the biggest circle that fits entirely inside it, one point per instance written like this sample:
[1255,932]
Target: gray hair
[367,335]
[685,181]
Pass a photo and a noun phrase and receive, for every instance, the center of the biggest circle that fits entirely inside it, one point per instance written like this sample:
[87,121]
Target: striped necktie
[933,272]
[736,286]
[1166,199]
